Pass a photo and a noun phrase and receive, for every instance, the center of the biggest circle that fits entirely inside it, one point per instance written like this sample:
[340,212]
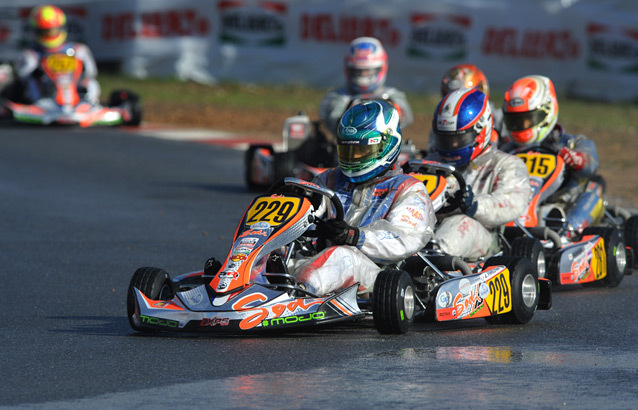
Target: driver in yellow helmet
[48,24]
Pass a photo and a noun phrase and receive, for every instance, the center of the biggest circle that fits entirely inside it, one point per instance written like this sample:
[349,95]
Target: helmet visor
[48,32]
[519,121]
[453,141]
[354,154]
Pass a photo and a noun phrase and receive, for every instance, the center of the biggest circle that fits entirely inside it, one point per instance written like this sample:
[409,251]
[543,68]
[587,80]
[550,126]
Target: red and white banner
[589,48]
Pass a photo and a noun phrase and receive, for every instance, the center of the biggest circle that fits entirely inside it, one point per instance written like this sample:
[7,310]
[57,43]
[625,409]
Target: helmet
[462,126]
[366,65]
[49,24]
[530,109]
[368,139]
[464,76]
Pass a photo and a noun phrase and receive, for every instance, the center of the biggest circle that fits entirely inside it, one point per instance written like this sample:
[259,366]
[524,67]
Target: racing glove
[573,159]
[466,201]
[338,232]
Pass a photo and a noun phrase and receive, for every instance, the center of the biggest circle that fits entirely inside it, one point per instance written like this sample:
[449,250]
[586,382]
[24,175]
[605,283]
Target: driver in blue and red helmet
[388,215]
[48,25]
[498,188]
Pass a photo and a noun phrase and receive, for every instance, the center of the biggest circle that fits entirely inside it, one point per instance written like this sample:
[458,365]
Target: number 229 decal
[499,299]
[273,211]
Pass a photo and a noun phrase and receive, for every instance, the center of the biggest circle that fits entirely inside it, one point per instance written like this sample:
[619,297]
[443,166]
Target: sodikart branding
[612,48]
[438,36]
[245,22]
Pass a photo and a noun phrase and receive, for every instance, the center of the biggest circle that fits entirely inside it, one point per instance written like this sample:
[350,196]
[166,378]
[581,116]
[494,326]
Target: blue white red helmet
[366,65]
[462,126]
[368,140]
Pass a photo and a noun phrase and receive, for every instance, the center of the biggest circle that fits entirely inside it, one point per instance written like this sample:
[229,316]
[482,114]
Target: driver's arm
[509,197]
[405,230]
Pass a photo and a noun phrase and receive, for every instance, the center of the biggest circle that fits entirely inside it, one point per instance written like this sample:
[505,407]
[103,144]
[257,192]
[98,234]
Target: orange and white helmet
[464,76]
[49,23]
[530,109]
[366,65]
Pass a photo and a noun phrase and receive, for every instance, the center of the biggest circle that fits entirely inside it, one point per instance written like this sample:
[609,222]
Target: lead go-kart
[62,101]
[253,290]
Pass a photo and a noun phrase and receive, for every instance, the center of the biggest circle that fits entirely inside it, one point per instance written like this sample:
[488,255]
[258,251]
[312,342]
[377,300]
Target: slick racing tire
[525,289]
[130,101]
[154,283]
[532,249]
[631,236]
[616,255]
[393,302]
[249,170]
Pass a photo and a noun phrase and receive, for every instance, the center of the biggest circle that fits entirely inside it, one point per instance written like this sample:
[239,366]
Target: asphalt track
[82,209]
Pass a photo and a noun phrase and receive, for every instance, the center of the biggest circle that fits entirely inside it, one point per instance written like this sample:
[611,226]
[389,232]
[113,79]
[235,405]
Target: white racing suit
[501,187]
[395,218]
[37,84]
[579,198]
[337,101]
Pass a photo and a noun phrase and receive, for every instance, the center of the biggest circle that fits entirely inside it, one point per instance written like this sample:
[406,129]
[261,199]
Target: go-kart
[62,102]
[305,152]
[253,289]
[597,251]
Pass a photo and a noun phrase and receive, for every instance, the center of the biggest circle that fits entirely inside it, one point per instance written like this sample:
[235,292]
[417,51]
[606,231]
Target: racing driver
[498,187]
[49,26]
[388,215]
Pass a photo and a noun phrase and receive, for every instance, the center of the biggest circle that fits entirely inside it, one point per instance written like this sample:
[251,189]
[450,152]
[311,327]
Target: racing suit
[36,83]
[501,188]
[395,218]
[579,199]
[337,101]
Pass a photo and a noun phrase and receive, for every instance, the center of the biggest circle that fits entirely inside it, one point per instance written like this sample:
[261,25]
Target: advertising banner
[588,48]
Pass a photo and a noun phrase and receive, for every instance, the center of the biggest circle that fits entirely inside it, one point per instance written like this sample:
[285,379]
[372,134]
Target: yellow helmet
[49,23]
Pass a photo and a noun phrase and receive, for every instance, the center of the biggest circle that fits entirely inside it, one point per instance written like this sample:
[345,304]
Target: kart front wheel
[393,302]
[154,283]
[525,296]
[615,253]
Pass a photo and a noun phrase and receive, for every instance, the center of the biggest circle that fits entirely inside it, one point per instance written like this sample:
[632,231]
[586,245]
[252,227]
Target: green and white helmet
[368,139]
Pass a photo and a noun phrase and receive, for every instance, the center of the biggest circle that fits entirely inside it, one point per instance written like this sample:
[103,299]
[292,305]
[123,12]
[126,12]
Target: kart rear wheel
[525,296]
[631,236]
[253,181]
[130,101]
[616,255]
[154,283]
[532,249]
[393,302]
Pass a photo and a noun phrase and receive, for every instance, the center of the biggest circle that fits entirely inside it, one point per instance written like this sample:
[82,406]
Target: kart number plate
[538,165]
[499,300]
[60,63]
[431,182]
[273,211]
[599,260]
